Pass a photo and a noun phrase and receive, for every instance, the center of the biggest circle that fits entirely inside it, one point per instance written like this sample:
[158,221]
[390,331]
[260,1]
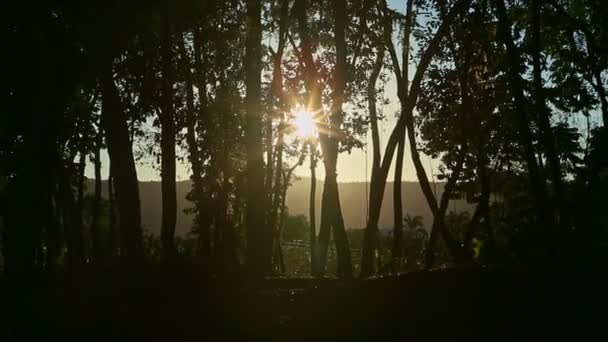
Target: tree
[124,173]
[167,121]
[259,237]
[405,123]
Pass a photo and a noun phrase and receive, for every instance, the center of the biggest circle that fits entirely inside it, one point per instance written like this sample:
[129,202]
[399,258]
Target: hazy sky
[351,167]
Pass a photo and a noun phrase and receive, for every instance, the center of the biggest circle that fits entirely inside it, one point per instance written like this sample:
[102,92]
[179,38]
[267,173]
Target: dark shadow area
[183,305]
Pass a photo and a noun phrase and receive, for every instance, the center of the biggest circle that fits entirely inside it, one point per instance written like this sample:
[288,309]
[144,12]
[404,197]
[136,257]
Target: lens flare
[304,124]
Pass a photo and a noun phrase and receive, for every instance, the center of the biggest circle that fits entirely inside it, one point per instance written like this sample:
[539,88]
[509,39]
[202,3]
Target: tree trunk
[376,157]
[203,218]
[276,199]
[259,236]
[397,198]
[269,171]
[95,233]
[71,218]
[79,233]
[278,97]
[312,215]
[195,162]
[112,236]
[345,269]
[279,250]
[53,235]
[123,167]
[167,146]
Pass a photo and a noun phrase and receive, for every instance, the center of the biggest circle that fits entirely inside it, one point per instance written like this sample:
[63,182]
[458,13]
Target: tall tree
[259,235]
[517,90]
[96,245]
[167,143]
[406,120]
[542,113]
[123,171]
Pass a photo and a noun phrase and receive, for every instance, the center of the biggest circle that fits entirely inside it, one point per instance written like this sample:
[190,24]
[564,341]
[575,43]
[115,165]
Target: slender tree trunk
[279,249]
[195,162]
[279,98]
[112,235]
[398,205]
[276,199]
[53,235]
[376,157]
[203,218]
[167,145]
[345,269]
[397,195]
[259,236]
[79,233]
[123,167]
[71,218]
[312,215]
[373,115]
[97,254]
[269,171]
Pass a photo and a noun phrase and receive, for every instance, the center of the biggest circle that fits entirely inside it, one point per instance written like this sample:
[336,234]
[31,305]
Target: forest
[506,97]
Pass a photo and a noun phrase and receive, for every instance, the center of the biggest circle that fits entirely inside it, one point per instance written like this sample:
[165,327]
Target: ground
[176,305]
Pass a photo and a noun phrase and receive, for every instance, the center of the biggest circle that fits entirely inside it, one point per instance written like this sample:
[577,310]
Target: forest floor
[182,305]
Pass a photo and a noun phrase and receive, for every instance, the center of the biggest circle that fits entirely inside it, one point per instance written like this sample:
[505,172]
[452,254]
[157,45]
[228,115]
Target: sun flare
[304,124]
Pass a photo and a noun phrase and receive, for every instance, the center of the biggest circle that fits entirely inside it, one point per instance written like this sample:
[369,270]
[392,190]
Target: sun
[304,124]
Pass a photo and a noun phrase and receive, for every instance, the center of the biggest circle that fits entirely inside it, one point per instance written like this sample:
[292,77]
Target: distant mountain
[352,197]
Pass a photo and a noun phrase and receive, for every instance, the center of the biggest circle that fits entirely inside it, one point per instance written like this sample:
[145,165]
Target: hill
[352,197]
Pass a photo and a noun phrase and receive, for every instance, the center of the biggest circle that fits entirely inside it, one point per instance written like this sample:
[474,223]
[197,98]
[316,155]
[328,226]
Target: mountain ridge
[352,198]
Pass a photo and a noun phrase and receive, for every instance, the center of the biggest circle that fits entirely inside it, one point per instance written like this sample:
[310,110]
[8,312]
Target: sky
[352,167]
